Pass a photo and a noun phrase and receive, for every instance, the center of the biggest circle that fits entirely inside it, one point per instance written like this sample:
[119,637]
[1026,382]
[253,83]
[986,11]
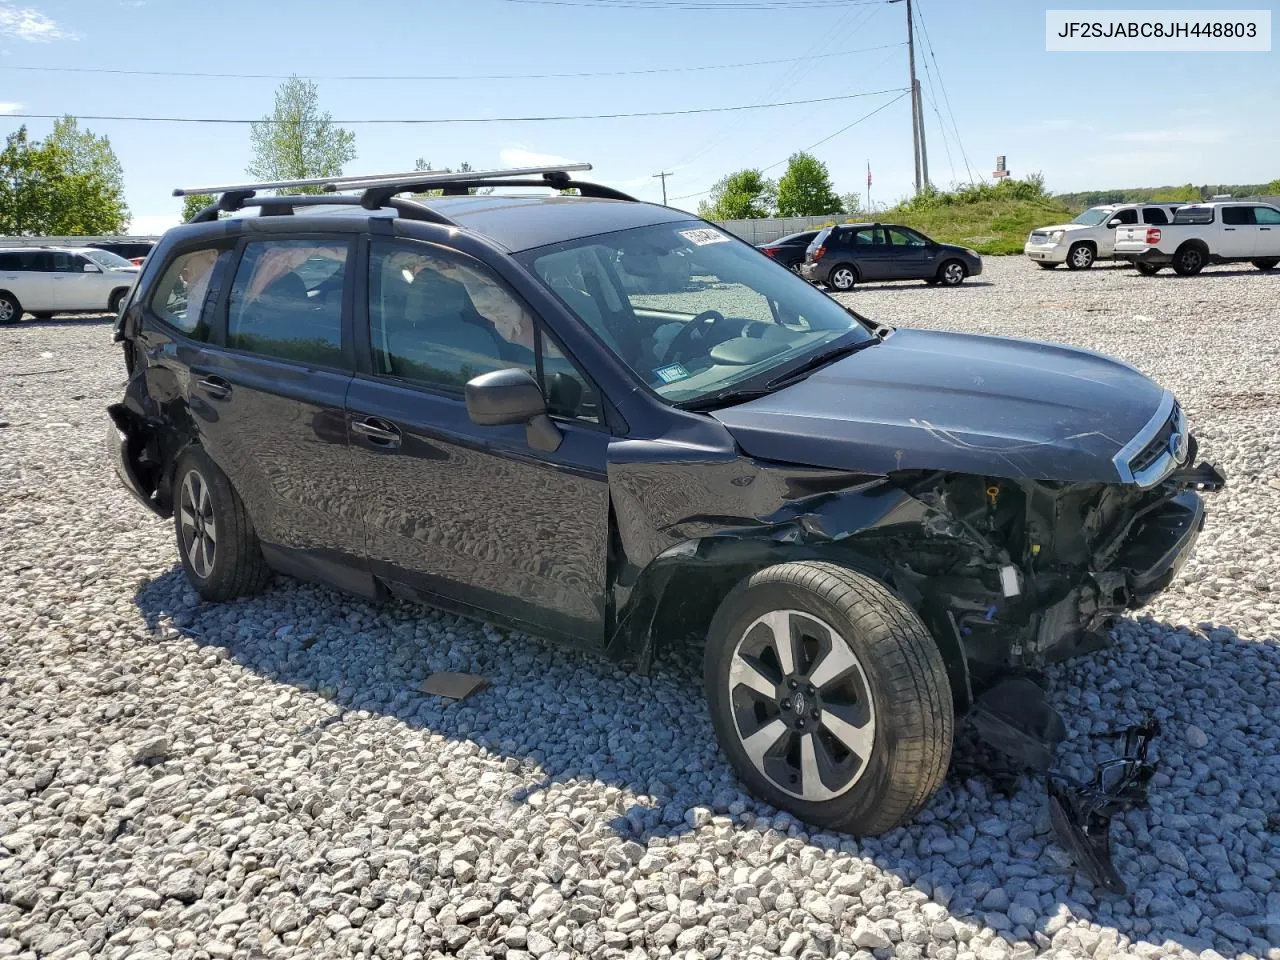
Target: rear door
[869,249]
[26,274]
[1239,232]
[1268,237]
[469,514]
[268,396]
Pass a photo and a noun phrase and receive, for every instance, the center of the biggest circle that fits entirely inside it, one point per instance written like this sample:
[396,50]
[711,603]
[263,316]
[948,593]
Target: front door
[469,514]
[912,256]
[268,398]
[1268,237]
[70,284]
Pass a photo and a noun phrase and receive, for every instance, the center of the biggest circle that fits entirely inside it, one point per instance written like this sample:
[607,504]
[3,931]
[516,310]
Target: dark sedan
[789,251]
[853,253]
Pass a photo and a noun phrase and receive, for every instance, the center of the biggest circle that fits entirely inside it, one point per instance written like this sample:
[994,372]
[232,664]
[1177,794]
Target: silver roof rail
[418,178]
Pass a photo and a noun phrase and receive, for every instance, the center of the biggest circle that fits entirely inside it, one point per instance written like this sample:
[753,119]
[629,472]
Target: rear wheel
[117,297]
[1266,263]
[1189,260]
[219,548]
[842,278]
[10,308]
[952,273]
[1148,269]
[829,696]
[1080,256]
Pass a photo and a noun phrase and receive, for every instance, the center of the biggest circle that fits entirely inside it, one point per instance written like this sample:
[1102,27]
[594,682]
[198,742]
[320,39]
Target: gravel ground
[261,778]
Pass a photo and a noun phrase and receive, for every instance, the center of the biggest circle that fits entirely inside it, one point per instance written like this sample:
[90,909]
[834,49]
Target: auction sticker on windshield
[671,373]
[703,237]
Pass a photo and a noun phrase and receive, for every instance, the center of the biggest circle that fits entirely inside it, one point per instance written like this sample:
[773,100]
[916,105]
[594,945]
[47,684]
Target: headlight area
[1029,572]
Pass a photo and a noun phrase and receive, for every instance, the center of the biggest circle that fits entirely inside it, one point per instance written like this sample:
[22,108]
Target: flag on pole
[868,173]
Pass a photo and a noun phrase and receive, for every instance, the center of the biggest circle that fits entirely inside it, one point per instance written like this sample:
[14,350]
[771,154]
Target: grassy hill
[995,225]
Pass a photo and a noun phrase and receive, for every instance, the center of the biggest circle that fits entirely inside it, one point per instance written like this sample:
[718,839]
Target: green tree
[66,185]
[298,141]
[852,203]
[193,203]
[744,195]
[1272,189]
[805,189]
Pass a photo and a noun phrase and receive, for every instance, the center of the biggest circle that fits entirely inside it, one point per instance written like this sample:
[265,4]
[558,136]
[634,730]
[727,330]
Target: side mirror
[512,396]
[92,268]
[1114,222]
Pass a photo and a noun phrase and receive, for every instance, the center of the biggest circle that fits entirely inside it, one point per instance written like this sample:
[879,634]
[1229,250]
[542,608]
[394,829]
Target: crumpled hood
[931,400]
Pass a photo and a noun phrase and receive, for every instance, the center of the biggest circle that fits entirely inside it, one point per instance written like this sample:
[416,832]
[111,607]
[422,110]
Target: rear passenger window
[1154,215]
[1126,216]
[1237,216]
[286,300]
[179,297]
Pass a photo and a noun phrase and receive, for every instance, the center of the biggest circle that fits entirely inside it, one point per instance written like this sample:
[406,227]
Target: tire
[10,308]
[893,681]
[842,277]
[216,540]
[1081,256]
[1149,269]
[1266,263]
[1189,260]
[117,296]
[1046,266]
[952,273]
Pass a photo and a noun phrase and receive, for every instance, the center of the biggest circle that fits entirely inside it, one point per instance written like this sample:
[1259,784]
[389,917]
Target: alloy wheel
[953,273]
[1192,260]
[197,524]
[802,705]
[1081,257]
[6,310]
[842,278]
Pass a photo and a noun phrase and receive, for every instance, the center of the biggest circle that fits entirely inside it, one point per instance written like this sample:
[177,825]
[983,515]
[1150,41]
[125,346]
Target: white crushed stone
[187,780]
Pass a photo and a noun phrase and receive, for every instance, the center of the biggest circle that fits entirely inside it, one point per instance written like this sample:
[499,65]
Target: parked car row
[843,255]
[1185,236]
[46,280]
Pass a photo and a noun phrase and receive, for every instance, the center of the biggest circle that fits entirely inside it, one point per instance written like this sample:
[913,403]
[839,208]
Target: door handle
[1228,229]
[216,387]
[377,431]
[1264,228]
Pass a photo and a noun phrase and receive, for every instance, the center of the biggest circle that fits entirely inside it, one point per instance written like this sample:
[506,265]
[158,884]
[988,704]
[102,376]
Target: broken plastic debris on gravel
[266,778]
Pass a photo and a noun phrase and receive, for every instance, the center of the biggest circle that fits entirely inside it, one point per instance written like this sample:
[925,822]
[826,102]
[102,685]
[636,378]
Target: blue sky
[1084,120]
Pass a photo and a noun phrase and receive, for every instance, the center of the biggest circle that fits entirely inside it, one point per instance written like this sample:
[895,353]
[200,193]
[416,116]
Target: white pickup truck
[1091,236]
[1205,233]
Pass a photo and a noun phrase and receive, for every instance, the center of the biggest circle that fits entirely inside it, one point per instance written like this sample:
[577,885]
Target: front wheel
[117,297]
[1266,263]
[829,696]
[842,278]
[1080,257]
[216,540]
[1148,269]
[952,273]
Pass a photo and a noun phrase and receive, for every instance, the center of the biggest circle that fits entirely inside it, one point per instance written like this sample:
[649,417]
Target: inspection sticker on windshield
[703,237]
[671,373]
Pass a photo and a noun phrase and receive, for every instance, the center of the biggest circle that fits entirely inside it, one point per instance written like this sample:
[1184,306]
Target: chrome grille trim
[1168,418]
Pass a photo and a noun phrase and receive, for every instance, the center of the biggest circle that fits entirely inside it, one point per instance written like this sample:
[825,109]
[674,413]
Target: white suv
[48,280]
[1092,235]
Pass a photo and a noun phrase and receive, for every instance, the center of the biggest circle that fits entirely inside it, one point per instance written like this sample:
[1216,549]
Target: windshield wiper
[818,361]
[725,398]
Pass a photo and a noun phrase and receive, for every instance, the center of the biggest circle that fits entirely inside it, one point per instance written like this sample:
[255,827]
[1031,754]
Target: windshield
[1093,216]
[107,260]
[690,309]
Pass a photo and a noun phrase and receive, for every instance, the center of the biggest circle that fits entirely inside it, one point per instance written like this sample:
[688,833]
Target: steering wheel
[693,331]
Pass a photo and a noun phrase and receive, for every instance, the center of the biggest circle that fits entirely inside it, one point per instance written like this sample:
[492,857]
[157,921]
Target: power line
[434,120]
[866,116]
[441,77]
[945,96]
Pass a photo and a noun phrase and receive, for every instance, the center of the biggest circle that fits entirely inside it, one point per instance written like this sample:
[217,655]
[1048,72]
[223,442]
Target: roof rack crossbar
[360,181]
[584,187]
[284,206]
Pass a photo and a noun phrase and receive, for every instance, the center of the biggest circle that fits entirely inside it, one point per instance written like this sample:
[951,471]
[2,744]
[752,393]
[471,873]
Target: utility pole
[917,113]
[663,178]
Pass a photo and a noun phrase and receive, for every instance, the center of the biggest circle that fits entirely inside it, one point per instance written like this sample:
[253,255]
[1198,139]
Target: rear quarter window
[179,297]
[1194,215]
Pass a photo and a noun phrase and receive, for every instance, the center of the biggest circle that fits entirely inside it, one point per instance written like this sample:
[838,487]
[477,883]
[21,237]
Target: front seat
[440,335]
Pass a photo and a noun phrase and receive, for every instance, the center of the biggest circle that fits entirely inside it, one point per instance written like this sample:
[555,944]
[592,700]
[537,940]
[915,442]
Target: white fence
[771,228]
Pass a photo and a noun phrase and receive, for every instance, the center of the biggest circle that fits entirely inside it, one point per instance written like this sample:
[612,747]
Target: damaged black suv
[609,422]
